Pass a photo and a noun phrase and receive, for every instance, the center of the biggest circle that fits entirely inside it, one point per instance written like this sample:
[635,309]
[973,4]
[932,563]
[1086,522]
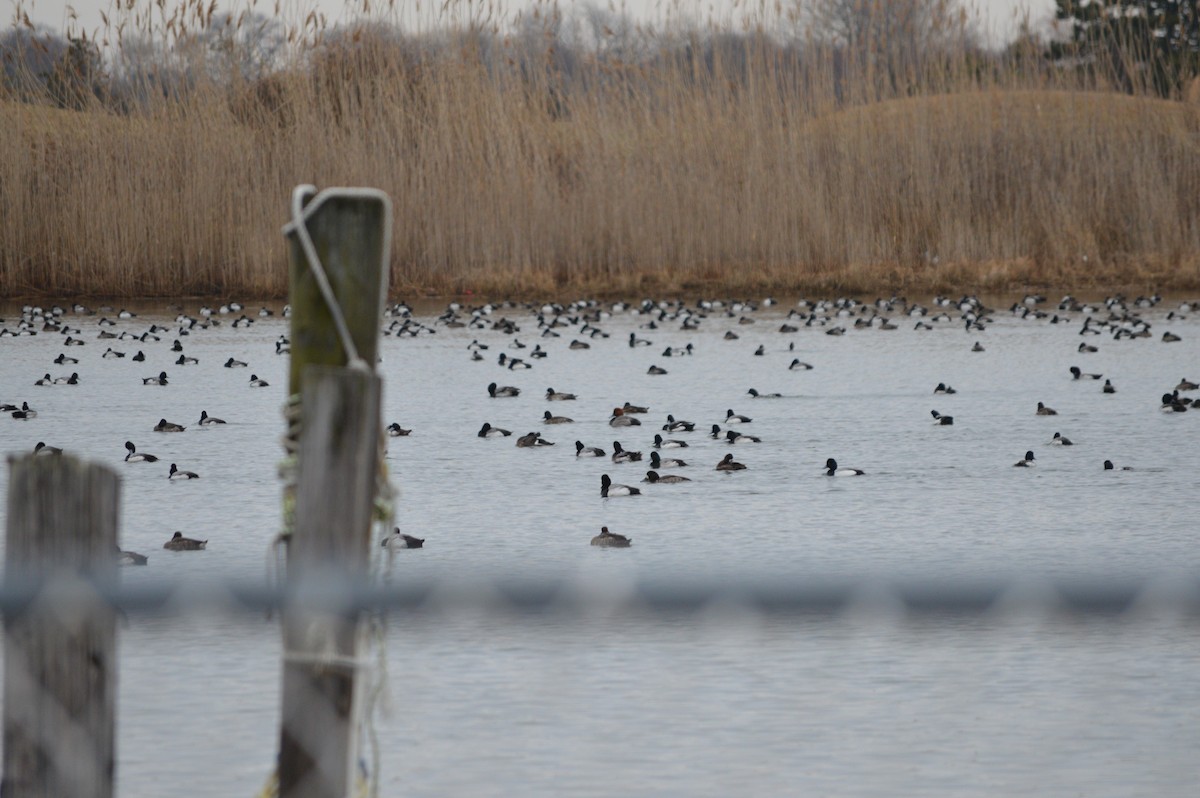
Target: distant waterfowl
[621,455]
[619,419]
[610,489]
[1059,440]
[73,342]
[166,426]
[72,380]
[488,431]
[1108,466]
[943,388]
[653,477]
[733,418]
[1186,385]
[628,408]
[550,418]
[1170,337]
[134,456]
[716,433]
[635,341]
[797,365]
[139,357]
[42,449]
[978,347]
[235,364]
[832,470]
[729,464]
[45,380]
[109,354]
[394,430]
[206,420]
[587,451]
[25,413]
[657,461]
[733,436]
[1172,404]
[130,557]
[64,359]
[941,420]
[1079,375]
[177,474]
[1027,462]
[1042,410]
[1108,387]
[656,371]
[611,540]
[161,379]
[532,439]
[674,425]
[399,540]
[502,392]
[179,543]
[186,361]
[661,443]
[762,350]
[1086,349]
[758,395]
[255,382]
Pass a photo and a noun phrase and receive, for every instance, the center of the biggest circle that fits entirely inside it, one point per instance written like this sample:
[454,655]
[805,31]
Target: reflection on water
[769,706]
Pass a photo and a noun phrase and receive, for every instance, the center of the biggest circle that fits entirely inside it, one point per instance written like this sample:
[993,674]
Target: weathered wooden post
[59,656]
[339,246]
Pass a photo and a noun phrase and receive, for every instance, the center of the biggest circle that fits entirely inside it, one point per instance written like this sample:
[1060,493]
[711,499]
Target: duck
[179,543]
[1042,410]
[729,464]
[832,470]
[255,382]
[139,357]
[1080,375]
[943,388]
[72,380]
[502,392]
[656,371]
[939,419]
[577,344]
[1059,440]
[41,449]
[1027,462]
[635,341]
[1171,404]
[611,540]
[1108,387]
[657,461]
[619,419]
[166,426]
[558,396]
[587,451]
[394,430]
[177,474]
[399,540]
[1086,349]
[46,380]
[161,379]
[674,425]
[130,557]
[134,456]
[207,421]
[715,433]
[25,413]
[733,436]
[621,455]
[670,479]
[1108,466]
[186,361]
[733,418]
[1186,385]
[798,365]
[109,354]
[978,347]
[609,489]
[235,364]
[628,408]
[661,443]
[1170,337]
[762,350]
[532,439]
[488,431]
[758,395]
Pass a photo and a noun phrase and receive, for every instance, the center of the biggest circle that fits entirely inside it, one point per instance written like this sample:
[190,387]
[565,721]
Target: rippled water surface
[718,705]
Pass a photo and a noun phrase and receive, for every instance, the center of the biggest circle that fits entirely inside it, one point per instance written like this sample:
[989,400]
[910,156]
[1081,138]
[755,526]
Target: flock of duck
[583,323]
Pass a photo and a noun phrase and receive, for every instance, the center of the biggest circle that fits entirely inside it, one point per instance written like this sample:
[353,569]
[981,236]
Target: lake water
[721,703]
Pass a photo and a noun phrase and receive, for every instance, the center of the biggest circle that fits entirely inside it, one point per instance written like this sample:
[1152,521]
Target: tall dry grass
[704,161]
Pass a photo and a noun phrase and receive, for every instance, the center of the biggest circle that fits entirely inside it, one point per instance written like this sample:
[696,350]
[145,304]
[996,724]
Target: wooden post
[350,231]
[330,546]
[59,657]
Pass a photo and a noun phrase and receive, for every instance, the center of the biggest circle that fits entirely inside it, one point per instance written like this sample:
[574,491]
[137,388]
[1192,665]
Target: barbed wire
[916,596]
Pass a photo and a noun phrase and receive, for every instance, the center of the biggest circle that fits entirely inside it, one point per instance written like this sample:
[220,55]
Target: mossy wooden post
[59,657]
[337,468]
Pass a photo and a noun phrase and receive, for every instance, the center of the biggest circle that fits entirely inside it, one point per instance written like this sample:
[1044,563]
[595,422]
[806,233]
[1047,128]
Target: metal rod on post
[339,242]
[60,655]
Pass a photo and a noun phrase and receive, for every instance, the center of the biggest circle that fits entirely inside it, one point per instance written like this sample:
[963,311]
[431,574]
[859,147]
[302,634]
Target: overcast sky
[997,15]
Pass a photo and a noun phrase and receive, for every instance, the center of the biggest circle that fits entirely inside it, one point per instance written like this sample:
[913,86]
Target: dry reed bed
[663,183]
